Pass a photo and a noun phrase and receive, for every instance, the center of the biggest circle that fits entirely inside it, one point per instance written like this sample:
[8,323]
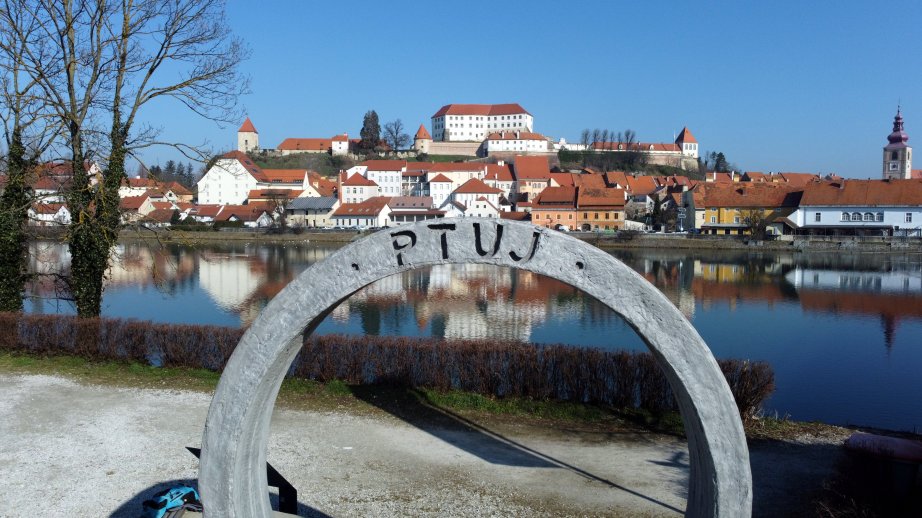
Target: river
[843,332]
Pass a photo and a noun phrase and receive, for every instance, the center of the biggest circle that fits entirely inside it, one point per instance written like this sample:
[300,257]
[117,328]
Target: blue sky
[776,86]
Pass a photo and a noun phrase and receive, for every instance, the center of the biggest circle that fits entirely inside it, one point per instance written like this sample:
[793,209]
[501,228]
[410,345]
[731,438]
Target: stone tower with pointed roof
[422,140]
[247,137]
[897,154]
[687,143]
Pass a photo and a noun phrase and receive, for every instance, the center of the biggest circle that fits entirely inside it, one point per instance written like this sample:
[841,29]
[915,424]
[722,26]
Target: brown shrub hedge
[558,372]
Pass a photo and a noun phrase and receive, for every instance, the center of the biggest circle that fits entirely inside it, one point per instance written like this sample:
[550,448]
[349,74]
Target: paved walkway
[80,450]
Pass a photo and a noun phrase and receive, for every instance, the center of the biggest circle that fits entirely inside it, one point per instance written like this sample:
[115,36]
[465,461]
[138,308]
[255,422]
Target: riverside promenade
[77,449]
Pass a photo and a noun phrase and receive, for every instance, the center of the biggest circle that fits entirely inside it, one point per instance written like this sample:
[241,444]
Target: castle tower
[687,143]
[897,154]
[247,137]
[422,140]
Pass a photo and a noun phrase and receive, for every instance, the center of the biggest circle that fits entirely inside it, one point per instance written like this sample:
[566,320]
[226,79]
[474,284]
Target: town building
[737,208]
[898,154]
[312,212]
[473,122]
[516,142]
[371,213]
[232,177]
[873,207]
[247,137]
[682,153]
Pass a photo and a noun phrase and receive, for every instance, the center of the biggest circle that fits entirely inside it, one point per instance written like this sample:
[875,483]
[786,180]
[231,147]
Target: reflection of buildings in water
[464,301]
[230,280]
[889,295]
[906,281]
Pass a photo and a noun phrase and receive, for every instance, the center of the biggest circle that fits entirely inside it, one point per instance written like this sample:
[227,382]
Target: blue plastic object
[169,499]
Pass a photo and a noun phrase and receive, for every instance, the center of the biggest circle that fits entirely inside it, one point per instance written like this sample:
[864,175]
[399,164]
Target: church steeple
[897,154]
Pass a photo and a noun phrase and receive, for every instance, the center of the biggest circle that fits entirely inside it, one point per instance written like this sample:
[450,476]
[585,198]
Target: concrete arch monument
[232,476]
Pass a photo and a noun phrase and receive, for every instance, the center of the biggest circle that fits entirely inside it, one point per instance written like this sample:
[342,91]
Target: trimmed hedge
[558,372]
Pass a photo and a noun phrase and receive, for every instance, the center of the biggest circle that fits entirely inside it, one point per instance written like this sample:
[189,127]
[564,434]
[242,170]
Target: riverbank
[87,439]
[604,241]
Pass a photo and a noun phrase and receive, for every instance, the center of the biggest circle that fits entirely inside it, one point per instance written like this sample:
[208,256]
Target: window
[895,155]
[713,219]
[736,219]
[844,217]
[585,215]
[909,217]
[868,216]
[817,217]
[856,216]
[880,216]
[596,215]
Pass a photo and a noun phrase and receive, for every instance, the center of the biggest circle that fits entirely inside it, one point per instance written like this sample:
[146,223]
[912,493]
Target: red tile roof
[598,198]
[641,185]
[686,137]
[589,180]
[247,164]
[799,179]
[343,137]
[178,189]
[370,207]
[563,179]
[285,175]
[500,173]
[747,194]
[47,208]
[531,168]
[475,186]
[616,178]
[159,215]
[207,211]
[306,144]
[556,197]
[480,109]
[421,133]
[132,202]
[518,216]
[863,193]
[358,180]
[247,126]
[516,135]
[440,178]
[250,212]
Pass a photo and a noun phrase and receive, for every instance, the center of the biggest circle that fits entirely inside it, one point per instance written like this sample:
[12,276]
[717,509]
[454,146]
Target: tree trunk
[14,206]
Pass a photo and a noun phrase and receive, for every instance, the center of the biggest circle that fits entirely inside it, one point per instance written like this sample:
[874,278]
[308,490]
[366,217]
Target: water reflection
[844,328]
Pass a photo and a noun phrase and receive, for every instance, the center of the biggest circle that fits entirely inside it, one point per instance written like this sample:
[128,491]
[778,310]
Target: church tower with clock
[897,154]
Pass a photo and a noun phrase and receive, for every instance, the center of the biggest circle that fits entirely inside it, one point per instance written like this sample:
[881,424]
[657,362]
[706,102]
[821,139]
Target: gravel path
[70,449]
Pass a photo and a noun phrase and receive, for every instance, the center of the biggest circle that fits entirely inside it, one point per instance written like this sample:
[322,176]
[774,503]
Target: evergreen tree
[371,130]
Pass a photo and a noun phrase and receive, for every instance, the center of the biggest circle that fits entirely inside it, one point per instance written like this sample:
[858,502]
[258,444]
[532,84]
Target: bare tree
[584,138]
[394,135]
[596,135]
[26,136]
[102,59]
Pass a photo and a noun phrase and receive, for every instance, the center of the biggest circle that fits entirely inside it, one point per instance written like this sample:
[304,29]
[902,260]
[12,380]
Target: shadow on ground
[133,507]
[413,408]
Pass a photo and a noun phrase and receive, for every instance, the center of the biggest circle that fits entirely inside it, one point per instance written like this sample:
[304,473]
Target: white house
[48,214]
[312,212]
[357,188]
[371,213]
[440,188]
[478,197]
[473,122]
[232,177]
[885,206]
[500,176]
[516,141]
[386,174]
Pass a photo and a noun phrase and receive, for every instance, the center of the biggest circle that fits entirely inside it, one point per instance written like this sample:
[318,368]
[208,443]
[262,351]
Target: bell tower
[897,154]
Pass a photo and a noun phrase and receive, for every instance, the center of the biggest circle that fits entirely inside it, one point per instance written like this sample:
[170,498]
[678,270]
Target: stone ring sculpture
[232,476]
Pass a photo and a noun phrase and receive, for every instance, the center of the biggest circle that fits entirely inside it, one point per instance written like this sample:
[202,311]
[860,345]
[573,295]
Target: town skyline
[785,87]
